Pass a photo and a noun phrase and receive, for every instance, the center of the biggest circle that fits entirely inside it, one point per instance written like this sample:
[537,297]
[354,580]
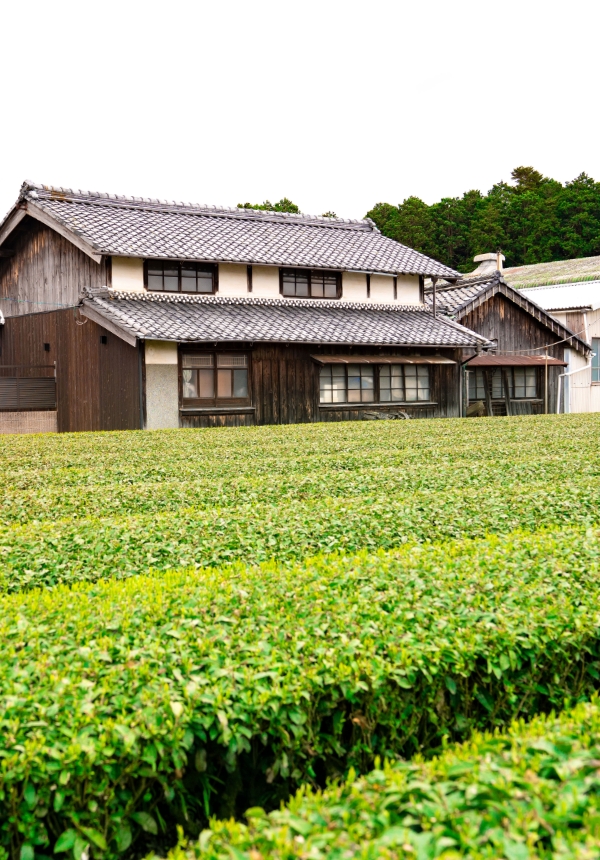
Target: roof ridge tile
[86,196]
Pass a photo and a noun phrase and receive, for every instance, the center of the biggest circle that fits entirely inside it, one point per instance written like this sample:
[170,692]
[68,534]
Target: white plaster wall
[408,290]
[354,287]
[127,273]
[161,352]
[233,280]
[265,281]
[382,288]
[162,385]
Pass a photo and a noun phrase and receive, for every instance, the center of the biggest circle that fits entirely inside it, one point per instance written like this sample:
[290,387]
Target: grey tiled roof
[453,298]
[459,299]
[214,318]
[134,227]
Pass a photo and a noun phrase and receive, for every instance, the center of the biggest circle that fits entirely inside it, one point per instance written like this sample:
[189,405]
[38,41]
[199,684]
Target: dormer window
[175,277]
[310,284]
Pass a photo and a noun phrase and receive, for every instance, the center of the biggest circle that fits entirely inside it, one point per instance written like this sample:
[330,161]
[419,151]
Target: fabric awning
[515,361]
[382,359]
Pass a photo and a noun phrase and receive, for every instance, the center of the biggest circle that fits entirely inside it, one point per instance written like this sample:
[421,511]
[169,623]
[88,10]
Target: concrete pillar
[162,385]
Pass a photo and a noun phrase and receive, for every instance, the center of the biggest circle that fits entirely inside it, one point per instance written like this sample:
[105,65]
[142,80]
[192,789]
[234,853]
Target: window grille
[310,284]
[175,277]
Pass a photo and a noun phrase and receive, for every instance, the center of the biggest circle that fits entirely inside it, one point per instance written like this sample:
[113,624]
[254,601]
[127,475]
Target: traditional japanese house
[128,313]
[523,372]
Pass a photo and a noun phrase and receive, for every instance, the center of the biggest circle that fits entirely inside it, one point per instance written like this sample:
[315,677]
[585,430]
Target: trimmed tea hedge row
[127,707]
[100,475]
[51,553]
[97,505]
[533,792]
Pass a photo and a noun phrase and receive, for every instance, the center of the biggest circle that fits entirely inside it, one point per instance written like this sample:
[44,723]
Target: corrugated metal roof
[556,272]
[566,296]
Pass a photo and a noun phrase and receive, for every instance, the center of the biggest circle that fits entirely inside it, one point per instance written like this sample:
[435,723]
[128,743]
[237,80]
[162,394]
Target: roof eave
[40,214]
[11,222]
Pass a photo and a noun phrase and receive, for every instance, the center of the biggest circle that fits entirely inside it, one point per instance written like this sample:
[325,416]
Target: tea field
[197,622]
[87,506]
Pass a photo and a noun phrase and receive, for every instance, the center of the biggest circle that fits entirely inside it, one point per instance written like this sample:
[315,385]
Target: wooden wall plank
[95,390]
[46,271]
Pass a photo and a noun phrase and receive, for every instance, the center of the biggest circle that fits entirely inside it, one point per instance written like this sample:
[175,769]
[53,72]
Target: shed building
[523,372]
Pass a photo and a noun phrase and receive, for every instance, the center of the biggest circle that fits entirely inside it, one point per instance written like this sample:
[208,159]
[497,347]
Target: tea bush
[533,792]
[131,706]
[88,506]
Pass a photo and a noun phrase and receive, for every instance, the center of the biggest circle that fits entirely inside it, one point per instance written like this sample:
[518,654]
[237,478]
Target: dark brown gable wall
[513,327]
[97,383]
[517,331]
[46,270]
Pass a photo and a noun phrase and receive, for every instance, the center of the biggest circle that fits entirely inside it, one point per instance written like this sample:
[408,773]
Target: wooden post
[506,390]
[434,282]
[546,385]
[488,393]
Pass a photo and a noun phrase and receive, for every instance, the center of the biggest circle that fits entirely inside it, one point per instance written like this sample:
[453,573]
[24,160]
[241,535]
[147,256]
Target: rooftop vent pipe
[488,264]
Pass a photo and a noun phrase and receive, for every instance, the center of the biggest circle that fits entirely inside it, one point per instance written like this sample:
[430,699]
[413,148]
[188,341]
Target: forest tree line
[533,220]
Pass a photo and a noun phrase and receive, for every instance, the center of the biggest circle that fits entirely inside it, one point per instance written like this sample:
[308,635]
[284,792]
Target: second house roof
[213,319]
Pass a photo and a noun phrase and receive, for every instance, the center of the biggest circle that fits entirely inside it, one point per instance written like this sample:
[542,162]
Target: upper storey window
[310,284]
[173,277]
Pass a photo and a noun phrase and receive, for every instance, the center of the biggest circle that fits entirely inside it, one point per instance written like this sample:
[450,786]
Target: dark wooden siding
[285,389]
[45,272]
[232,420]
[97,383]
[575,320]
[517,331]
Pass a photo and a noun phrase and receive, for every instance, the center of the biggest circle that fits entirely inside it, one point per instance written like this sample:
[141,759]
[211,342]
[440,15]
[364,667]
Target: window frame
[377,401]
[595,361]
[215,402]
[206,267]
[310,272]
[510,373]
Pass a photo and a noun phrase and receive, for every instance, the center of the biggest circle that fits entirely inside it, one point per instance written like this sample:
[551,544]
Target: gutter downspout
[570,373]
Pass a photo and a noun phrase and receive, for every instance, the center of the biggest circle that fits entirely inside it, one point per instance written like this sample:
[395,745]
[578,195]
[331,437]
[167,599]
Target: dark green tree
[283,205]
[534,219]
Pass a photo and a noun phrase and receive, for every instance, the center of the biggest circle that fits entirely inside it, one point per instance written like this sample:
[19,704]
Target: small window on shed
[596,359]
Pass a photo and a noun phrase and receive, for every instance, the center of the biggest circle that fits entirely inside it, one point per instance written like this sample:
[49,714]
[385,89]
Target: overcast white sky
[337,105]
